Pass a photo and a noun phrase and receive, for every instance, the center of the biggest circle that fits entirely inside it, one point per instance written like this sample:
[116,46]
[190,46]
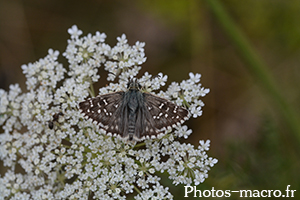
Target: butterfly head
[133,84]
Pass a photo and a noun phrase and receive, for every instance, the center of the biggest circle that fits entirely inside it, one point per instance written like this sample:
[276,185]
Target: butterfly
[133,114]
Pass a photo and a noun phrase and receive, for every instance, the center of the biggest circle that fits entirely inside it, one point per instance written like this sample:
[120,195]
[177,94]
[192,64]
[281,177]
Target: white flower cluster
[50,152]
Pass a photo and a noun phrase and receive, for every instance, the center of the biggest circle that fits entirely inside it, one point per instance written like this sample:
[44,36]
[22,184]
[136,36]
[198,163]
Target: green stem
[256,66]
[91,91]
[139,145]
[136,189]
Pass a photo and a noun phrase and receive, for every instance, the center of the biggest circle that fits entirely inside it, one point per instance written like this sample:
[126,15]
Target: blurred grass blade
[258,69]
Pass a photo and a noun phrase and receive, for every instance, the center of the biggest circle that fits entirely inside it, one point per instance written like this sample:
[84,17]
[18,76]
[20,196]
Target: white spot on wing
[106,113]
[161,105]
[91,103]
[105,102]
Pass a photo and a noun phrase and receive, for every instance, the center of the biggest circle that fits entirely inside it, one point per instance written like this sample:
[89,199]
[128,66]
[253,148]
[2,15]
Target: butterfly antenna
[156,76]
[117,75]
[113,74]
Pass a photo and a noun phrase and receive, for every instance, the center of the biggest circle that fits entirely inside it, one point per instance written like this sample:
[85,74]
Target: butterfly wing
[107,111]
[157,115]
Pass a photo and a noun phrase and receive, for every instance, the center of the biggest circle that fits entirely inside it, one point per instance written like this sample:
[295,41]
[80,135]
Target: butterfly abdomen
[135,99]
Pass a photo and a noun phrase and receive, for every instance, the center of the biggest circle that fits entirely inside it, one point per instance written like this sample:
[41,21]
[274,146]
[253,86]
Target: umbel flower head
[50,151]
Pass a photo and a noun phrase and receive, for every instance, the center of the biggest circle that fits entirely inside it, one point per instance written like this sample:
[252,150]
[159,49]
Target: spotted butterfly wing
[162,114]
[133,114]
[105,110]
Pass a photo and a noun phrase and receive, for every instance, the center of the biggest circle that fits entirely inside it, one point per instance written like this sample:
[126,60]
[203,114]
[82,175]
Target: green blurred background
[248,53]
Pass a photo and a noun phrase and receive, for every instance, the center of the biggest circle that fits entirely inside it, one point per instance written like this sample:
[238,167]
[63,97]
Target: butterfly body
[133,114]
[132,107]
